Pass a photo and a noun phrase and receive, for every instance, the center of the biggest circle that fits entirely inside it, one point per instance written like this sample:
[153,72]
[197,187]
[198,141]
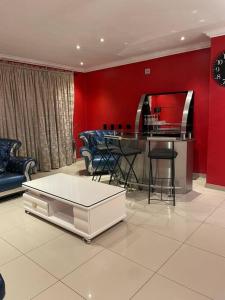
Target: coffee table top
[75,189]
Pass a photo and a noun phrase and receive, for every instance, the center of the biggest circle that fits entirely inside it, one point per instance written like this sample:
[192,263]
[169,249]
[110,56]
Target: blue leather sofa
[13,170]
[91,155]
[2,287]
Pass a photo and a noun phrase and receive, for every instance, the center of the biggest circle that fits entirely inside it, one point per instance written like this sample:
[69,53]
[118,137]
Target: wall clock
[219,69]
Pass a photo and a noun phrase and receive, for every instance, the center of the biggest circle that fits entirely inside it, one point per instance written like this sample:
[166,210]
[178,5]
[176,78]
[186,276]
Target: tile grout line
[55,284]
[204,250]
[182,243]
[83,263]
[142,286]
[45,289]
[59,279]
[75,291]
[138,226]
[188,288]
[129,259]
[156,272]
[24,253]
[108,249]
[203,221]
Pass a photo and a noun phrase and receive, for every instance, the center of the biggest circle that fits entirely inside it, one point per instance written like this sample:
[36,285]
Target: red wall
[112,95]
[216,138]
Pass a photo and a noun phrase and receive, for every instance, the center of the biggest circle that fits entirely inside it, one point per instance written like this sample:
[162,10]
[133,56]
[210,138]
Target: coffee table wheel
[87,241]
[27,212]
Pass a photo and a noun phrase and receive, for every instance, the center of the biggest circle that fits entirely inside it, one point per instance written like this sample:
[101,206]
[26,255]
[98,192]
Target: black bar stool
[164,154]
[126,153]
[104,164]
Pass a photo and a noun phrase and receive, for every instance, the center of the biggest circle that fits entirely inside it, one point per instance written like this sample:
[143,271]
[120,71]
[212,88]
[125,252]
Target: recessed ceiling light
[182,38]
[78,47]
[202,20]
[102,40]
[194,11]
[81,63]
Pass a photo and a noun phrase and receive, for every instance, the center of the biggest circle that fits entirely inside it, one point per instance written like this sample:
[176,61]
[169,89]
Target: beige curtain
[36,107]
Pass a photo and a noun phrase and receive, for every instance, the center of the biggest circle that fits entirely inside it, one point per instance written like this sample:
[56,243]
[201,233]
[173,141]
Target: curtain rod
[31,66]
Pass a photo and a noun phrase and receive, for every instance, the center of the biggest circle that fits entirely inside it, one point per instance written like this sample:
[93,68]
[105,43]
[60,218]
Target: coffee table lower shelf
[86,222]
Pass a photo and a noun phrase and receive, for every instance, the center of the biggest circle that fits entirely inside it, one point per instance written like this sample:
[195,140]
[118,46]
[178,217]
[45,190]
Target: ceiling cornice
[111,64]
[135,59]
[39,63]
[215,32]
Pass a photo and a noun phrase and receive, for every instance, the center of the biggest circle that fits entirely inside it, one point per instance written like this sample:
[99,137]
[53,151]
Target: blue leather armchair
[13,170]
[91,155]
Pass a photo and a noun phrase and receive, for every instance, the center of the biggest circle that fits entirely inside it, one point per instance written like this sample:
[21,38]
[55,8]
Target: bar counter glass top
[130,135]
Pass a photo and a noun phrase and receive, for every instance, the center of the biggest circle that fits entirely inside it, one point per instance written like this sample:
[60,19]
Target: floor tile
[14,218]
[58,292]
[63,254]
[199,270]
[168,223]
[6,206]
[222,205]
[198,210]
[217,218]
[209,237]
[147,248]
[7,252]
[108,276]
[160,288]
[138,200]
[24,279]
[18,201]
[24,239]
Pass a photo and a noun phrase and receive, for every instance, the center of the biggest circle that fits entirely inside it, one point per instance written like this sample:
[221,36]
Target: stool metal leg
[163,154]
[150,181]
[130,169]
[99,163]
[173,177]
[106,164]
[114,168]
[173,182]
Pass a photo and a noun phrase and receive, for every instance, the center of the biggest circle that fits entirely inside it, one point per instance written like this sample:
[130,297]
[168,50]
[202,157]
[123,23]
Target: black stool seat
[163,153]
[104,147]
[126,151]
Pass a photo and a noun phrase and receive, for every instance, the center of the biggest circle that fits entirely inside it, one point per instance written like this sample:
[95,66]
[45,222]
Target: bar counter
[183,161]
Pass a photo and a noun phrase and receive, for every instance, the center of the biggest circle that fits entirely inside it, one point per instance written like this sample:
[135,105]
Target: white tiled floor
[159,252]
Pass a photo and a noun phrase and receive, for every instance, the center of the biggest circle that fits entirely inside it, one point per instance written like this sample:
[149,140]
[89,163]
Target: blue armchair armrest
[21,165]
[85,151]
[88,156]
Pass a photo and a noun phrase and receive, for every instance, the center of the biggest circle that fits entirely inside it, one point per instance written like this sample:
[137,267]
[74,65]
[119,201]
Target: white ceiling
[47,31]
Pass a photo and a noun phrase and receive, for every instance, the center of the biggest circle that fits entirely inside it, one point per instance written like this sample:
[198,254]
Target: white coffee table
[77,204]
